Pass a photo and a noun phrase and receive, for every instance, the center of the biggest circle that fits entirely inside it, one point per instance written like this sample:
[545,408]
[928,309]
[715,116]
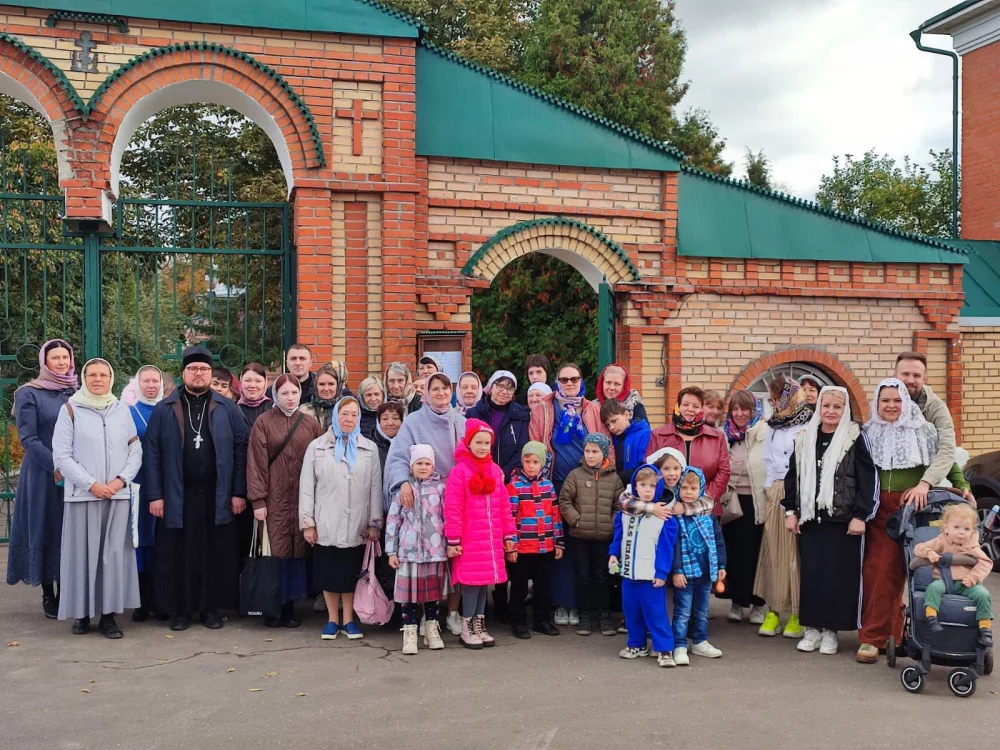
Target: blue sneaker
[352,631]
[330,631]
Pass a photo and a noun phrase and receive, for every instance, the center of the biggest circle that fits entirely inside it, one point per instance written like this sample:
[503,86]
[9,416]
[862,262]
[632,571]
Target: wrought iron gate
[188,265]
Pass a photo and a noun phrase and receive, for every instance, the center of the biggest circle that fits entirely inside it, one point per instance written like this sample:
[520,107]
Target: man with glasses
[194,465]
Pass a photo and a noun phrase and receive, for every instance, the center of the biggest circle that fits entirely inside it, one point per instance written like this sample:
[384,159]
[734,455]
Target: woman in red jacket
[704,447]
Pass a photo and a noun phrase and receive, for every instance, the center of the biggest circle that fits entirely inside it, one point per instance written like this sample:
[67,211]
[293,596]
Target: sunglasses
[566,381]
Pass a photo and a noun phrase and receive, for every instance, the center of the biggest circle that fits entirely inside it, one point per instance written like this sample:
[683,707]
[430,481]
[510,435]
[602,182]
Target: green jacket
[936,412]
[588,501]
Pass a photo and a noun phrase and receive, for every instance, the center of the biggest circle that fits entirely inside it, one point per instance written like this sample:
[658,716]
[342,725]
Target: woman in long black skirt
[831,492]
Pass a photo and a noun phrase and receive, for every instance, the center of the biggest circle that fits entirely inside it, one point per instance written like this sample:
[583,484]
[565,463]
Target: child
[699,561]
[588,502]
[629,436]
[645,547]
[414,542]
[479,528]
[959,537]
[539,541]
[670,463]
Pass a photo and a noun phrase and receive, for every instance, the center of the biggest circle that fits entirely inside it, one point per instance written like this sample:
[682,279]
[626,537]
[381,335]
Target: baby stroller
[957,645]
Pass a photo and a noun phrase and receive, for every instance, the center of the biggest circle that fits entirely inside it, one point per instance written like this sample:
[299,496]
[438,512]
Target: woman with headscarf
[278,442]
[811,388]
[399,387]
[148,392]
[371,395]
[326,394]
[342,373]
[254,400]
[831,493]
[745,431]
[340,507]
[36,527]
[470,392]
[97,451]
[508,419]
[614,382]
[777,581]
[536,393]
[903,444]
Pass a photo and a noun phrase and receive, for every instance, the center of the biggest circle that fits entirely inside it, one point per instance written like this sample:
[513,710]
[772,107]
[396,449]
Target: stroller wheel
[961,682]
[988,663]
[913,681]
[890,652]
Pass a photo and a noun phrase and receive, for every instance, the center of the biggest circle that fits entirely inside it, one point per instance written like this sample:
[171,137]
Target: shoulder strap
[69,410]
[287,440]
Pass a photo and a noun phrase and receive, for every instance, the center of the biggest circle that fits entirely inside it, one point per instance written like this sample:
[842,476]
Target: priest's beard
[196,390]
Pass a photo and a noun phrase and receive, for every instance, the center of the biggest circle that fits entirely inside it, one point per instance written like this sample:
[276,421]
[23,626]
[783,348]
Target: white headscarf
[462,407]
[809,501]
[140,397]
[84,397]
[544,388]
[652,458]
[909,441]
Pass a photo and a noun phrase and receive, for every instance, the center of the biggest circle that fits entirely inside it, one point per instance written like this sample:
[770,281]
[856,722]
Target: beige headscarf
[84,397]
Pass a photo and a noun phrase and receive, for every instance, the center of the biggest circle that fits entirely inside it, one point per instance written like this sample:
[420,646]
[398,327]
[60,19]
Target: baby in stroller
[959,536]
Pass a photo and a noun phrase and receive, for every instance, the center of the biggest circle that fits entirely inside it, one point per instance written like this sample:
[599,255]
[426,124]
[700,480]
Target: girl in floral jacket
[415,544]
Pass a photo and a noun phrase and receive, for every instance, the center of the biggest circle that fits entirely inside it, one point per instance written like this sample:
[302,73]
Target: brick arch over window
[839,372]
[204,73]
[30,77]
[588,250]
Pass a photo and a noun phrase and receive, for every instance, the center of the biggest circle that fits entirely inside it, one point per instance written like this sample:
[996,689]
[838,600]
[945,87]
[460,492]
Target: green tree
[758,168]
[911,197]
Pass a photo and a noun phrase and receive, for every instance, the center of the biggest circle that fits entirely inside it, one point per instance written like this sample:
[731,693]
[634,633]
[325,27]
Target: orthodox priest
[195,474]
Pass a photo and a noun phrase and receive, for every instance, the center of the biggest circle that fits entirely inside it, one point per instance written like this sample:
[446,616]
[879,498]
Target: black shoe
[985,637]
[81,625]
[521,631]
[270,622]
[50,606]
[211,620]
[584,627]
[290,622]
[607,628]
[933,625]
[109,627]
[180,622]
[140,614]
[546,628]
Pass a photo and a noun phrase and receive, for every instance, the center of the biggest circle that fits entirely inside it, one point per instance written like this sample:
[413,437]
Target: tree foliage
[911,197]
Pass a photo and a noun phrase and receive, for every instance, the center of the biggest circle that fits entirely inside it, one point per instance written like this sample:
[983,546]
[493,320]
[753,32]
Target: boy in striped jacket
[535,507]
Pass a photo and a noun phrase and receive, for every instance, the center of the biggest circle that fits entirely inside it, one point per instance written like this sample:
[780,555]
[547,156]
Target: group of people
[572,507]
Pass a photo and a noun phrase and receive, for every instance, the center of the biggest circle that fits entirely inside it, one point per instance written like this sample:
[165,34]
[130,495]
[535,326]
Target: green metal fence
[186,265]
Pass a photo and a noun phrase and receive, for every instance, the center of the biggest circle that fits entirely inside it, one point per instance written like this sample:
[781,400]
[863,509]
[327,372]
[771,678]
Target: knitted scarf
[482,482]
[570,424]
[909,441]
[791,409]
[685,427]
[735,434]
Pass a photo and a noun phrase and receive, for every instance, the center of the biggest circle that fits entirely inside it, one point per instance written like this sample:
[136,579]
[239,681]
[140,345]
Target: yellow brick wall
[653,395]
[937,361]
[981,389]
[487,223]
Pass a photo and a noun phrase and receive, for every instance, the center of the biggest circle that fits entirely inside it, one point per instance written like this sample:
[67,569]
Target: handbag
[260,579]
[370,601]
[731,508]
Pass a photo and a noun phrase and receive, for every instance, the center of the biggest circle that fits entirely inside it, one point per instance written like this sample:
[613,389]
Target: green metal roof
[362,17]
[943,15]
[723,218]
[467,111]
[981,279]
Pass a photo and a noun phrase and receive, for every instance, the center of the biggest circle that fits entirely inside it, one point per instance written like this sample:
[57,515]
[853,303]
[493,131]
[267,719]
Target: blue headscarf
[698,473]
[570,425]
[659,483]
[345,450]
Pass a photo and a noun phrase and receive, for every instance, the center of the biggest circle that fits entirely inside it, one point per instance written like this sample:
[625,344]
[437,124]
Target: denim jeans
[691,605]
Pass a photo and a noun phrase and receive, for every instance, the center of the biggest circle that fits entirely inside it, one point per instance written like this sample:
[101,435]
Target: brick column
[314,271]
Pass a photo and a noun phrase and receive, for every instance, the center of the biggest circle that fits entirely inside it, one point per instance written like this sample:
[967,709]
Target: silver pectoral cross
[197,441]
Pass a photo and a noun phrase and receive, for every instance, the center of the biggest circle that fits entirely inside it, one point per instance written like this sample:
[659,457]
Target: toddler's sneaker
[573,617]
[681,656]
[605,624]
[829,645]
[706,649]
[986,637]
[810,641]
[432,636]
[561,616]
[330,631]
[409,639]
[735,613]
[583,626]
[793,628]
[757,614]
[666,659]
[454,623]
[631,652]
[933,625]
[352,631]
[771,625]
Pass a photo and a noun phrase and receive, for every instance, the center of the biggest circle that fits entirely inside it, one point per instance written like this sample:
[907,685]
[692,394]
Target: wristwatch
[790,513]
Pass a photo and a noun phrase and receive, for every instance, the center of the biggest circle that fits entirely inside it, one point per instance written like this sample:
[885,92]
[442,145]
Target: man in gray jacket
[911,368]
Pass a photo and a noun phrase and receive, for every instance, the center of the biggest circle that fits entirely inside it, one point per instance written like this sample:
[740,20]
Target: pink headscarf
[48,380]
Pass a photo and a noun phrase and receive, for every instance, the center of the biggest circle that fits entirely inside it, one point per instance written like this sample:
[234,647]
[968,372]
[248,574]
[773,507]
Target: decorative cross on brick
[358,115]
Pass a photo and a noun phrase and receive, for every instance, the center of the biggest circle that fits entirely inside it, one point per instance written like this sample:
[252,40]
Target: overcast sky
[807,79]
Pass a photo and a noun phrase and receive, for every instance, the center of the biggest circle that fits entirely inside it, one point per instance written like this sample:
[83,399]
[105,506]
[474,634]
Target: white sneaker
[573,617]
[666,659]
[454,623]
[432,636]
[810,640]
[829,645]
[757,614]
[681,656]
[319,604]
[420,628]
[561,616]
[705,649]
[735,613]
[409,639]
[630,652]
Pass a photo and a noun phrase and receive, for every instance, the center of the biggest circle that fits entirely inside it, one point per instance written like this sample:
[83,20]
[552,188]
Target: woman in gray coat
[97,451]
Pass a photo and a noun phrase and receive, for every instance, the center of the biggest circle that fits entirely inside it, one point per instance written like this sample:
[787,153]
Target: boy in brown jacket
[588,502]
[959,537]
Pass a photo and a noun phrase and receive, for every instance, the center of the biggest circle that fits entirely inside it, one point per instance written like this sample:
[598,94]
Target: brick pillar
[356,312]
[314,271]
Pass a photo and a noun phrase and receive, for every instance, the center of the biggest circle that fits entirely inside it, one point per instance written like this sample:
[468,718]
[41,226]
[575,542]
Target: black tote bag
[260,580]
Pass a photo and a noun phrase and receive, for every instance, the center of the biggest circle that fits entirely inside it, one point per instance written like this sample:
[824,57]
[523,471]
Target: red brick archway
[837,370]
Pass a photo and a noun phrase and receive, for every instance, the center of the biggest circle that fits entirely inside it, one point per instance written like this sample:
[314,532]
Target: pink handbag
[370,601]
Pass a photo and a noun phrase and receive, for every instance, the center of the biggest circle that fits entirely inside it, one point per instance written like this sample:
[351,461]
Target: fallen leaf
[272,674]
[168,636]
[254,690]
[91,681]
[84,690]
[269,640]
[289,671]
[231,669]
[300,695]
[580,679]
[12,644]
[163,658]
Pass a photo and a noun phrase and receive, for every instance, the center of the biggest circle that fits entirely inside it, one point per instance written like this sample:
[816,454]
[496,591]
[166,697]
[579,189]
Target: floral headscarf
[791,409]
[736,434]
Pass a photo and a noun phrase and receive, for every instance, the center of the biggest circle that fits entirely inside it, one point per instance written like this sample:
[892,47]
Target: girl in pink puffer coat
[479,526]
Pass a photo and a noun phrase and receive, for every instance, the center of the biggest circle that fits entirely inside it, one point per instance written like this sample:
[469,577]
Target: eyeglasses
[198,370]
[503,387]
[566,381]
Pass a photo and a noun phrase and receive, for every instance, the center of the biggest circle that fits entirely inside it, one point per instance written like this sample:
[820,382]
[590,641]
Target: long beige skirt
[777,581]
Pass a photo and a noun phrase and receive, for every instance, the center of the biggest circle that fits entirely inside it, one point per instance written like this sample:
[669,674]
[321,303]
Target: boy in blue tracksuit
[699,561]
[644,545]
